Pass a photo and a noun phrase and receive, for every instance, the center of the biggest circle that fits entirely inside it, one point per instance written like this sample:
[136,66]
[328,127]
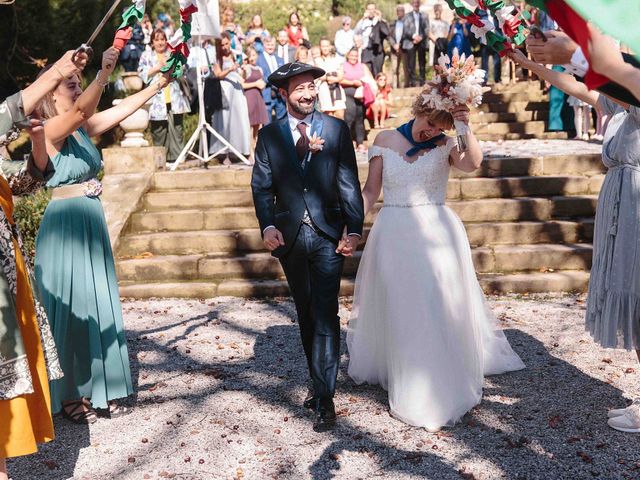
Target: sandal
[115,411]
[78,414]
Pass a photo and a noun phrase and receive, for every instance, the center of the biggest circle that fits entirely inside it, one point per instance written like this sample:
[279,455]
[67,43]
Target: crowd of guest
[362,55]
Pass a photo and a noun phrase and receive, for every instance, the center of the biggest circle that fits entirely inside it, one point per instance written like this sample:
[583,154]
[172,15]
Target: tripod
[202,129]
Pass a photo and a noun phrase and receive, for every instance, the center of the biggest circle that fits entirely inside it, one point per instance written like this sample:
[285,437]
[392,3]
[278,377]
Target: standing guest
[284,50]
[235,32]
[331,96]
[233,122]
[343,40]
[269,62]
[253,84]
[166,24]
[374,31]
[357,44]
[147,30]
[303,56]
[581,117]
[315,54]
[378,111]
[438,33]
[130,55]
[27,350]
[459,37]
[169,105]
[486,52]
[75,270]
[296,32]
[401,45]
[419,24]
[355,75]
[256,33]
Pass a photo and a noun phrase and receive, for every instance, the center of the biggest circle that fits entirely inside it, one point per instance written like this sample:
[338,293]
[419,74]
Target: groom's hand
[273,239]
[348,245]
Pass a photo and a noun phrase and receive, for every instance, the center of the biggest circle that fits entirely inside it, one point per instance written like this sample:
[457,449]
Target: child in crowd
[378,111]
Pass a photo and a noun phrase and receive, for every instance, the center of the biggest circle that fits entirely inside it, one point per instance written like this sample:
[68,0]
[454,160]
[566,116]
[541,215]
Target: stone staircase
[529,221]
[508,112]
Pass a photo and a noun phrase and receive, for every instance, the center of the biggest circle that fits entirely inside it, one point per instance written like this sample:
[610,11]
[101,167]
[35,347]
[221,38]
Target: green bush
[28,214]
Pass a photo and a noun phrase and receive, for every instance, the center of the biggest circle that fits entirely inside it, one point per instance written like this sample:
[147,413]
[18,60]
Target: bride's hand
[461,113]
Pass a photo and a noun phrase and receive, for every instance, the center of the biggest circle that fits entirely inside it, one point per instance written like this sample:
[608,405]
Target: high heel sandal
[78,414]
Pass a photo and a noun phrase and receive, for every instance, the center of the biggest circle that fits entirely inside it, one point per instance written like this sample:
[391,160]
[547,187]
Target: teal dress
[76,275]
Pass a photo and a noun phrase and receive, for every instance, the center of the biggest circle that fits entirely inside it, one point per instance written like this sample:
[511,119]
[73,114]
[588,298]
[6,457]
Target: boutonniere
[316,143]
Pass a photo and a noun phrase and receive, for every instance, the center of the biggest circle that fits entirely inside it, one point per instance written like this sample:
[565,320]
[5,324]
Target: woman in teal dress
[75,270]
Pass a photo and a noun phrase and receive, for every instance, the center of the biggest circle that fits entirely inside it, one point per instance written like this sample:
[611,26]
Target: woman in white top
[330,93]
[344,38]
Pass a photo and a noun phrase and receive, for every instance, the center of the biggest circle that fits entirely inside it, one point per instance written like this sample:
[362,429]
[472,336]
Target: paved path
[220,385]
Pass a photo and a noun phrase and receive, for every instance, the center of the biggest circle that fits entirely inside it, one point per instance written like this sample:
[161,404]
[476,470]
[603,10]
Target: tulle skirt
[420,325]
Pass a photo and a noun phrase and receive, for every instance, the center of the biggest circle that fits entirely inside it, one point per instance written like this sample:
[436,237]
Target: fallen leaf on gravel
[335,457]
[51,465]
[585,458]
[573,439]
[353,400]
[343,412]
[131,460]
[607,360]
[555,421]
[145,440]
[630,370]
[239,473]
[187,459]
[276,431]
[259,453]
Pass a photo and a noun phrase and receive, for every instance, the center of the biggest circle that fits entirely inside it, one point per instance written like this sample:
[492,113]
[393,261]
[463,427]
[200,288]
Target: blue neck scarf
[405,130]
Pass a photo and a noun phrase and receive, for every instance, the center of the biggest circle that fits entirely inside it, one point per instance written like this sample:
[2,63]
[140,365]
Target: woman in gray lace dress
[613,304]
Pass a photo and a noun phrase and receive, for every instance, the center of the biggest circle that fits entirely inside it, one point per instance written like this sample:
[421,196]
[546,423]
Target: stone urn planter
[134,126]
[132,82]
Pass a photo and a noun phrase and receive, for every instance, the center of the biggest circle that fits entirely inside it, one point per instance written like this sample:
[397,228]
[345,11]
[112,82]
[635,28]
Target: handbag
[368,96]
[359,93]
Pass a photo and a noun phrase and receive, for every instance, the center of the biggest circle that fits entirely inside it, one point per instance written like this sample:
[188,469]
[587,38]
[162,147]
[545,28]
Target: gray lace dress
[613,305]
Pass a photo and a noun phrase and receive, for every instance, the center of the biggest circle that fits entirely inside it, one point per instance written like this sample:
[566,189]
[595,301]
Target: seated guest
[378,111]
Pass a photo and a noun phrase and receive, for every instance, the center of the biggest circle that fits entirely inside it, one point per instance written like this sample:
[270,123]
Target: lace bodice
[423,182]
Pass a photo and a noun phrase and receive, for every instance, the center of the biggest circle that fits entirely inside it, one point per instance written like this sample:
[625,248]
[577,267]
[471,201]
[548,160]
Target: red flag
[576,27]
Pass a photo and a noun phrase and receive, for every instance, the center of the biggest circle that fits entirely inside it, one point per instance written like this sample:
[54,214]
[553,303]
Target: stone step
[496,137]
[523,283]
[227,242]
[229,178]
[481,210]
[468,188]
[514,106]
[508,117]
[404,99]
[500,258]
[535,128]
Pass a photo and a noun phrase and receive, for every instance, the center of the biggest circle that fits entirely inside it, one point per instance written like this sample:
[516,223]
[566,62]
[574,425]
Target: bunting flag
[576,27]
[130,17]
[512,22]
[178,42]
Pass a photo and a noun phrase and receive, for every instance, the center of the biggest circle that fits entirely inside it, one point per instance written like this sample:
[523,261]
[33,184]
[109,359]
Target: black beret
[282,75]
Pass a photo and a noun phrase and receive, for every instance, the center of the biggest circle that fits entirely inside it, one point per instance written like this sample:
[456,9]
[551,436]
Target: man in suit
[398,32]
[283,50]
[374,31]
[269,62]
[418,34]
[309,205]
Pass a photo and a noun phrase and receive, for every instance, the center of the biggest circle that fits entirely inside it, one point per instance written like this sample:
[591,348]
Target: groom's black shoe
[311,402]
[325,415]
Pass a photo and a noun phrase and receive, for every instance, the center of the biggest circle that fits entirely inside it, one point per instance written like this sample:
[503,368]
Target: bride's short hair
[438,117]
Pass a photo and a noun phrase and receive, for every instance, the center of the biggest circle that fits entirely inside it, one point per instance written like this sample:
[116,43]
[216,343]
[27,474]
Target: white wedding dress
[420,326]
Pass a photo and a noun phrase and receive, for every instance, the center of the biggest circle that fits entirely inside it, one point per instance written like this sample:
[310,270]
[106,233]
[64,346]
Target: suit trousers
[354,115]
[397,64]
[313,270]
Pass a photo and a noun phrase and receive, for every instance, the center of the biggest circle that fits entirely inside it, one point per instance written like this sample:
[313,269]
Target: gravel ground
[220,385]
[539,148]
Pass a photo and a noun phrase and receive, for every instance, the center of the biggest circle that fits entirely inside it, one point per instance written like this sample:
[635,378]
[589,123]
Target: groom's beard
[303,106]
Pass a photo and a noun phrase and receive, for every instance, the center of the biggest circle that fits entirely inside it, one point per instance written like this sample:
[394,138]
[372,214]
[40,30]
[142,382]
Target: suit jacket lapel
[288,141]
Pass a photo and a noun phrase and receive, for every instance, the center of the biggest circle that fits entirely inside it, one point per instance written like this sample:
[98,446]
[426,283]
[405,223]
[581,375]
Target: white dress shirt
[283,53]
[416,21]
[399,28]
[271,61]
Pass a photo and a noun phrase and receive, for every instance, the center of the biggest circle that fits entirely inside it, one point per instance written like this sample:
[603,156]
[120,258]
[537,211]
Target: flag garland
[130,17]
[513,26]
[576,27]
[178,42]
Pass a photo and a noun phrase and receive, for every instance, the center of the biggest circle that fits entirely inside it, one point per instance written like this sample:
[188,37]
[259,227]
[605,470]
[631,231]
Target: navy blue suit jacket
[264,65]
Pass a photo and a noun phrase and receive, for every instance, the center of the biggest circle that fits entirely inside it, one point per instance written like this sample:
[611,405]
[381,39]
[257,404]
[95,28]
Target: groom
[309,205]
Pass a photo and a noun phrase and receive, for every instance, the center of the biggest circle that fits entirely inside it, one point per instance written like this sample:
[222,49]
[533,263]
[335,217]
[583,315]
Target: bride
[420,325]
